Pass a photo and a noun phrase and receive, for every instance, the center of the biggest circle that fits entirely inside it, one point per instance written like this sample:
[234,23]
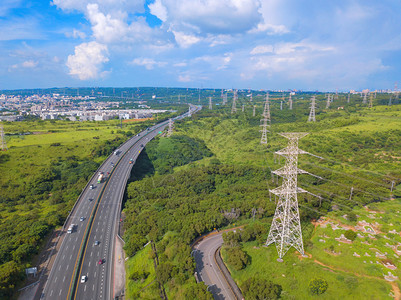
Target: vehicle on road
[131,161]
[117,152]
[91,187]
[142,145]
[71,228]
[97,243]
[84,278]
[90,199]
[82,219]
[101,261]
[100,178]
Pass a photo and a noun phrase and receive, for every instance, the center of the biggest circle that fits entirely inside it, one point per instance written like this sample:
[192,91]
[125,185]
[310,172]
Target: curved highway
[209,271]
[88,251]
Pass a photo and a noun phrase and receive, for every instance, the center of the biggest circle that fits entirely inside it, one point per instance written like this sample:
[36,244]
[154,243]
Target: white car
[83,278]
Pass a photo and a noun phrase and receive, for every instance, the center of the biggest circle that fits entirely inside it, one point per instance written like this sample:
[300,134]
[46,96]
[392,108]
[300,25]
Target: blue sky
[258,44]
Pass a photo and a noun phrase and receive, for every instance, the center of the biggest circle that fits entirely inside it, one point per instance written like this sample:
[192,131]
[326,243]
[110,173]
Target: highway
[207,269]
[96,215]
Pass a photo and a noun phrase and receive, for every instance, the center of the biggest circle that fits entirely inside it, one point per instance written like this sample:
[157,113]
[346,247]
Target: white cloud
[184,78]
[262,49]
[105,28]
[181,64]
[185,40]
[87,60]
[29,64]
[159,10]
[109,6]
[148,63]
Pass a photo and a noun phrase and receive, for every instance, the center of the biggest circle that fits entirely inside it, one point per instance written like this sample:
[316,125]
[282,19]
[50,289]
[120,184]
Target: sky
[256,44]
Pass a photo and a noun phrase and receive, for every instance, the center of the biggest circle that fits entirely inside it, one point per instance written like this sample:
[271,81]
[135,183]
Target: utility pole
[2,139]
[285,230]
[210,103]
[170,127]
[290,101]
[312,117]
[265,121]
[234,107]
[179,98]
[198,95]
[251,98]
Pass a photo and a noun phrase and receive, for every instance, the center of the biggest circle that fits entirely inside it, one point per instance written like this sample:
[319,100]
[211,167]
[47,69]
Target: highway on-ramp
[209,271]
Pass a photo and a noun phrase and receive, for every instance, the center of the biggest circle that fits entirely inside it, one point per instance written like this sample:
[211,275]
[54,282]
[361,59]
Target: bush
[237,258]
[258,288]
[318,286]
[351,235]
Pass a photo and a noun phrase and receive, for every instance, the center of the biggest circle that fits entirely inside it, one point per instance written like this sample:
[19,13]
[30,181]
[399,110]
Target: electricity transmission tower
[312,117]
[389,100]
[285,230]
[243,107]
[281,105]
[225,99]
[170,127]
[234,107]
[328,101]
[364,101]
[265,121]
[254,110]
[290,102]
[189,112]
[349,94]
[371,100]
[210,103]
[2,139]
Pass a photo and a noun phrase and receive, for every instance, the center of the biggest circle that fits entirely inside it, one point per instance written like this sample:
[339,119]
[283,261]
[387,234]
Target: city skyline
[252,44]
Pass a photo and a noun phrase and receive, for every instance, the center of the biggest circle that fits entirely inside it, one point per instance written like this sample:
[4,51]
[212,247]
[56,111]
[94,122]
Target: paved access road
[207,269]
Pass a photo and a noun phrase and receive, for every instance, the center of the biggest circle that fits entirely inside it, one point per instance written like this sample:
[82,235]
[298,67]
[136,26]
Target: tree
[237,258]
[318,286]
[259,288]
[197,291]
[164,271]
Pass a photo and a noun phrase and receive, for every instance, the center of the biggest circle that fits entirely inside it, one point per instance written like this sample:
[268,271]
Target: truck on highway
[100,178]
[71,228]
[117,152]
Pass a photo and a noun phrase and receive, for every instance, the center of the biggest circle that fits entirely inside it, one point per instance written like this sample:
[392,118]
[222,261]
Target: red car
[100,261]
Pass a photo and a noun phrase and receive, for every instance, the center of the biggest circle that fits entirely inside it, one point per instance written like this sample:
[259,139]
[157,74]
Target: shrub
[351,235]
[318,286]
[258,288]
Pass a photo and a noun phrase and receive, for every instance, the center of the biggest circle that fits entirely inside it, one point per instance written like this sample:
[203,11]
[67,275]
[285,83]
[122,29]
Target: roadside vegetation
[170,205]
[41,176]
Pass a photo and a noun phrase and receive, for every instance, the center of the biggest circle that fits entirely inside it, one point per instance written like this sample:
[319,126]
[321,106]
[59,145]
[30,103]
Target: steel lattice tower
[349,94]
[234,107]
[389,100]
[285,230]
[328,101]
[312,117]
[189,112]
[254,110]
[243,107]
[371,100]
[210,103]
[265,121]
[225,99]
[364,98]
[290,101]
[2,139]
[170,127]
